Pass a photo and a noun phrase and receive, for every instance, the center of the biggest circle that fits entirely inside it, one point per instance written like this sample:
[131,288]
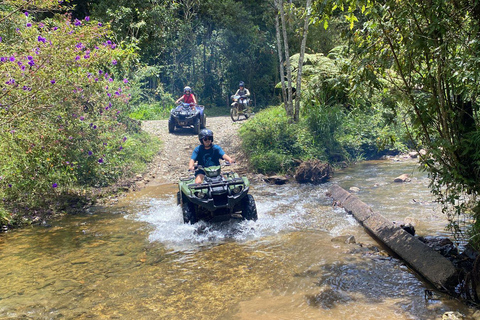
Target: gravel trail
[172,161]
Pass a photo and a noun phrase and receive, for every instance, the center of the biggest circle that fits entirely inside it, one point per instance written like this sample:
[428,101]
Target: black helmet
[205,133]
[241,84]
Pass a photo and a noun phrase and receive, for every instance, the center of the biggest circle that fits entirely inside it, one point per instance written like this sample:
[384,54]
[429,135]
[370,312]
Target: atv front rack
[234,181]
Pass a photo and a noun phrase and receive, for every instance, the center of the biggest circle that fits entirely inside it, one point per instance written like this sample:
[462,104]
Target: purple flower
[70,138]
[29,25]
[41,39]
[114,62]
[90,153]
[54,185]
[109,95]
[120,148]
[3,59]
[26,13]
[110,79]
[9,185]
[100,24]
[109,42]
[12,58]
[86,56]
[105,144]
[79,45]
[77,58]
[30,58]
[0,39]
[87,18]
[77,22]
[55,28]
[94,127]
[114,46]
[100,71]
[82,118]
[96,79]
[100,160]
[125,80]
[124,139]
[31,63]
[52,81]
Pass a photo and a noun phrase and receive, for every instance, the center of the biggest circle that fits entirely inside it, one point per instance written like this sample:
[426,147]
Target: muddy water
[137,260]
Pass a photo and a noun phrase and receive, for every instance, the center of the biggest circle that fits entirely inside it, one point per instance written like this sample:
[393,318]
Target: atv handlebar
[200,167]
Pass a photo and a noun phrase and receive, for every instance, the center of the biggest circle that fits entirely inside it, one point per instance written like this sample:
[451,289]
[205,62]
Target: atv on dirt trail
[187,115]
[221,196]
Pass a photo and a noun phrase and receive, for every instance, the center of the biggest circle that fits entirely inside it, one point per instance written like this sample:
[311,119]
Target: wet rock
[354,189]
[453,315]
[275,180]
[444,246]
[408,227]
[313,171]
[328,299]
[402,178]
[348,239]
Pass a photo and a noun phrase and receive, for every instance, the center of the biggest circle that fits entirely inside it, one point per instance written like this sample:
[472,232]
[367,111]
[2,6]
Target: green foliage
[63,112]
[270,141]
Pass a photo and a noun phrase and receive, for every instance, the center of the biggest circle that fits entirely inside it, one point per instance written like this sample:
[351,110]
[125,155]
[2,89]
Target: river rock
[402,178]
[348,239]
[313,171]
[453,315]
[354,189]
[413,154]
[275,179]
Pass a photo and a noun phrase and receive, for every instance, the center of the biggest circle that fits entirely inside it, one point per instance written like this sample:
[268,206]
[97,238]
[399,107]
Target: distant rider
[244,94]
[188,97]
[206,154]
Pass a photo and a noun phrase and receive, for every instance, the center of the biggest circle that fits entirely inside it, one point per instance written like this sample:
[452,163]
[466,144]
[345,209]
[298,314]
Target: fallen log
[430,264]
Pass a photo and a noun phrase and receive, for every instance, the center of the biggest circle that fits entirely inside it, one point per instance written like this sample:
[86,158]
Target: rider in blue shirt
[206,154]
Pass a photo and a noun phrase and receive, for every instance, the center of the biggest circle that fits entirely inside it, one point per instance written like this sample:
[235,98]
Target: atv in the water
[187,115]
[221,196]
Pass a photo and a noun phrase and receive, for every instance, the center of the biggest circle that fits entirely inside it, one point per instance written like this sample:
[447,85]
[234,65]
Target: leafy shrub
[64,111]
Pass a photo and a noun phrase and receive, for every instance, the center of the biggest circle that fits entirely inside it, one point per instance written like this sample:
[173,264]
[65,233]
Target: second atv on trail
[186,115]
[222,196]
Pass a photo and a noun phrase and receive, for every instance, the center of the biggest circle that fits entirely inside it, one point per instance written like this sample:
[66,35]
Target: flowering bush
[63,106]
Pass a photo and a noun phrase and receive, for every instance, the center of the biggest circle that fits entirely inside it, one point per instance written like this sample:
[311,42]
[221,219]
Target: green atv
[221,196]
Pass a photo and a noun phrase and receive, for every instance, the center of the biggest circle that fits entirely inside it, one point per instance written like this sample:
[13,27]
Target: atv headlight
[237,189]
[200,194]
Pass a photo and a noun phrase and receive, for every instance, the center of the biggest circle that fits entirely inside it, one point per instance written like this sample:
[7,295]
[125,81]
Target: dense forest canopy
[377,77]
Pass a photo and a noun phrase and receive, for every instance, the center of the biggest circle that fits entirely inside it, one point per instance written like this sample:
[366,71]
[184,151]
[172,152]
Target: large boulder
[313,171]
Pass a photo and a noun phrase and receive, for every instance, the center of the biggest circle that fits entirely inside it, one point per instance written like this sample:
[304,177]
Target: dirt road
[172,161]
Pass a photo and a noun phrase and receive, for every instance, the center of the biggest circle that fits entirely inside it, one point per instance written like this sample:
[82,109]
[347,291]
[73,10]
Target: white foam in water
[280,209]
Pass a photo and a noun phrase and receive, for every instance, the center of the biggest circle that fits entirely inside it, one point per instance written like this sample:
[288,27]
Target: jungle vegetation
[336,80]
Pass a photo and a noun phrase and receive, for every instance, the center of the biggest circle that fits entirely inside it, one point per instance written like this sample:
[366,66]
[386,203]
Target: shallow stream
[137,260]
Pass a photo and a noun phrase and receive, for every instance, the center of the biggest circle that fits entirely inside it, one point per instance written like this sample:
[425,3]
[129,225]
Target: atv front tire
[249,209]
[189,215]
[203,123]
[196,126]
[171,125]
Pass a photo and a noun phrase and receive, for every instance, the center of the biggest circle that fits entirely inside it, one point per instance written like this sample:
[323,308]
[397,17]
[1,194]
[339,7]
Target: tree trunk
[298,92]
[280,55]
[288,101]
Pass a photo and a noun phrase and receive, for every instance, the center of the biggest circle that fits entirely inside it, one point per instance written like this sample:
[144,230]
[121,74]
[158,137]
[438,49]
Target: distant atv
[187,115]
[222,196]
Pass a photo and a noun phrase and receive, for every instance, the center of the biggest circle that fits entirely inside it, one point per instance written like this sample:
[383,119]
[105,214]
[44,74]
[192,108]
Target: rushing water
[137,260]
